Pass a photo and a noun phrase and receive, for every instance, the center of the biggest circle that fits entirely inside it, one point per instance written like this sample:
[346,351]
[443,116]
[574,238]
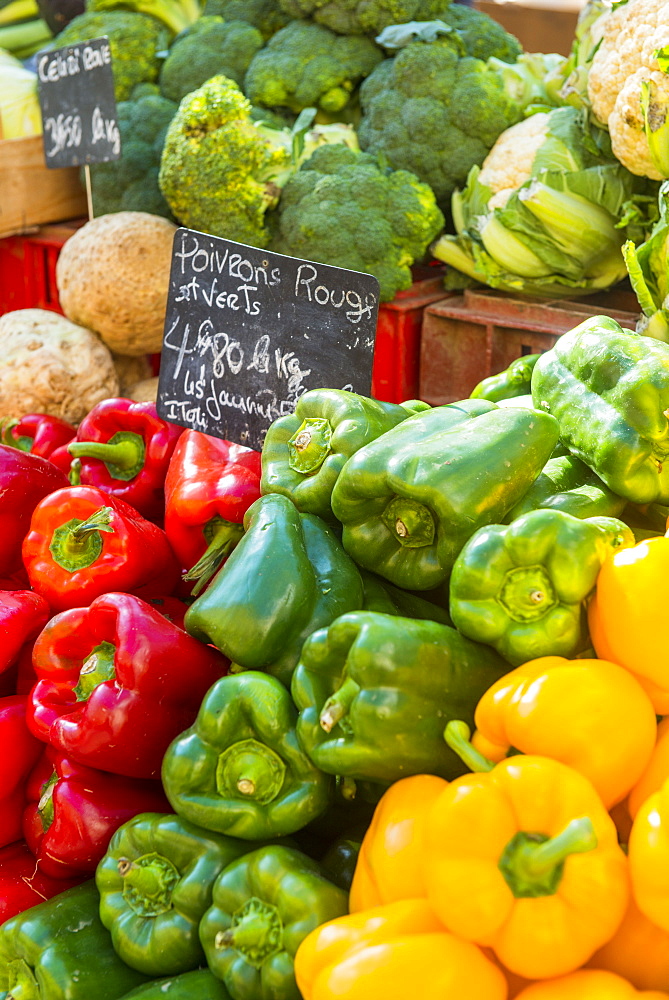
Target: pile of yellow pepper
[544,873]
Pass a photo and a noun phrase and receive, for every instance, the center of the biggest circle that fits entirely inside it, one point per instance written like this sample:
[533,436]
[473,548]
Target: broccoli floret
[265,15]
[131,183]
[135,41]
[363,17]
[483,36]
[347,209]
[305,65]
[175,14]
[435,111]
[210,47]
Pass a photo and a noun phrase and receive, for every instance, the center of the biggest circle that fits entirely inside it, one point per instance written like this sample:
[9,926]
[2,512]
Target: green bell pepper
[410,500]
[155,882]
[375,692]
[288,576]
[239,769]
[264,905]
[59,950]
[197,985]
[567,484]
[304,452]
[513,381]
[521,588]
[382,597]
[340,861]
[609,390]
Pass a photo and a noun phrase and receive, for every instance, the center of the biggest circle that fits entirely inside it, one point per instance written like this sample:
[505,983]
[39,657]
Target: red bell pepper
[23,615]
[24,480]
[209,487]
[117,683]
[22,885]
[19,751]
[73,810]
[37,433]
[83,543]
[125,449]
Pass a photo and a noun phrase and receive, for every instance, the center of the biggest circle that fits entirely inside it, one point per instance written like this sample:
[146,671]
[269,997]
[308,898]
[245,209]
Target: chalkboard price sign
[76,94]
[247,332]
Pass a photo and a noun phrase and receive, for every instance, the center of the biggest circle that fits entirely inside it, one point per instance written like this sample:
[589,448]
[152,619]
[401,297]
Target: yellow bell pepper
[389,865]
[398,950]
[525,860]
[649,857]
[588,985]
[638,951]
[590,714]
[626,612]
[656,773]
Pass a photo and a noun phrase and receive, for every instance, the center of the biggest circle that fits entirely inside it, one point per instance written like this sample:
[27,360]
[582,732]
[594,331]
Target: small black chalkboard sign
[247,332]
[76,95]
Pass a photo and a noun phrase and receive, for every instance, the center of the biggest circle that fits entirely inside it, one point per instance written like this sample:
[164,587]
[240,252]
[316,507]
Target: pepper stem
[250,769]
[45,806]
[338,705]
[21,981]
[123,455]
[77,544]
[256,932]
[533,864]
[223,537]
[22,443]
[458,737]
[148,883]
[410,522]
[310,445]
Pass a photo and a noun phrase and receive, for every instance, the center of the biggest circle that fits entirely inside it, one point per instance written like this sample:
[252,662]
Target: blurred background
[541,25]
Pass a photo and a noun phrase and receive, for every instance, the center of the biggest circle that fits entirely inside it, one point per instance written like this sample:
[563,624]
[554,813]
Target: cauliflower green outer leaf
[436,112]
[131,183]
[134,39]
[265,15]
[210,47]
[305,65]
[219,172]
[344,208]
[358,17]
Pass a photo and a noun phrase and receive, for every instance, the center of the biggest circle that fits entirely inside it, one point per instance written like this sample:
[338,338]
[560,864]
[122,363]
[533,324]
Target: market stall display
[376,708]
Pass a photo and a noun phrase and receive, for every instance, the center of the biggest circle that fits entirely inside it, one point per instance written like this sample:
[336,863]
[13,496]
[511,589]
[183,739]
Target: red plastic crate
[28,268]
[468,337]
[395,374]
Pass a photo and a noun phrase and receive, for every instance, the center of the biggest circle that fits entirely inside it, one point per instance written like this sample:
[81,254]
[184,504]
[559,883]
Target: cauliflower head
[219,170]
[131,183]
[629,67]
[265,15]
[305,65]
[211,47]
[363,17]
[509,162]
[435,111]
[344,208]
[135,41]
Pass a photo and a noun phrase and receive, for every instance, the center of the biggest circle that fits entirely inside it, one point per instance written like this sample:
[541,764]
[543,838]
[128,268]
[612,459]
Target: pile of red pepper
[97,675]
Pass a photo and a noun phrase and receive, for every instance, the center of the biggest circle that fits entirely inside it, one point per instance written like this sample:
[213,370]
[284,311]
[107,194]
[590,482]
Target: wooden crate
[30,193]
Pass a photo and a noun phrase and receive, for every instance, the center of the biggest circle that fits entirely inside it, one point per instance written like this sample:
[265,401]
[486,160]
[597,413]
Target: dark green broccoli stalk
[131,183]
[305,66]
[174,14]
[210,47]
[265,15]
[363,17]
[347,209]
[435,111]
[135,41]
[220,171]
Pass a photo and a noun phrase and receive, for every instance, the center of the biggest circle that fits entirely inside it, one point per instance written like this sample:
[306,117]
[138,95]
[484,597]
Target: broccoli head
[482,35]
[134,39]
[131,183]
[265,15]
[305,65]
[363,17]
[210,47]
[347,209]
[220,171]
[436,111]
